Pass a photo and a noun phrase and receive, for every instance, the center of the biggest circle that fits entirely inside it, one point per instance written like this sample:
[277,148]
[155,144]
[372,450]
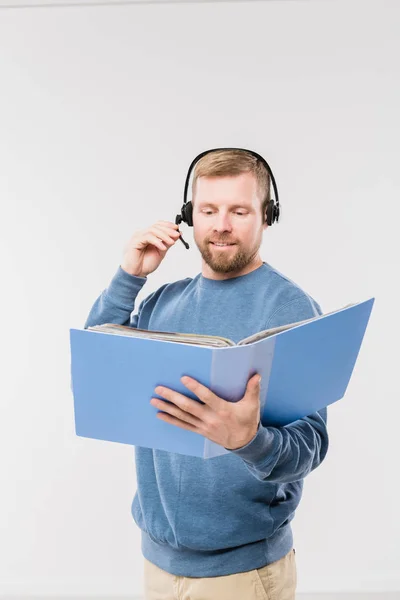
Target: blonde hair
[219,163]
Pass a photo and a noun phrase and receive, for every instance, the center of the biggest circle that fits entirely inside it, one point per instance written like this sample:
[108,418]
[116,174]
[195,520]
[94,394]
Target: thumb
[254,383]
[252,389]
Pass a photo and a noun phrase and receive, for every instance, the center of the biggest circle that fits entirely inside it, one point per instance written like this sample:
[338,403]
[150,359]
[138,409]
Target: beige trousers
[276,581]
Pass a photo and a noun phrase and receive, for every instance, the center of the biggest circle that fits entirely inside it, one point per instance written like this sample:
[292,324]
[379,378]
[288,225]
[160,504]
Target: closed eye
[209,212]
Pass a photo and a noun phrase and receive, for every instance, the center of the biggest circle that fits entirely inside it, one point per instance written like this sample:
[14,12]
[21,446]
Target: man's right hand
[148,247]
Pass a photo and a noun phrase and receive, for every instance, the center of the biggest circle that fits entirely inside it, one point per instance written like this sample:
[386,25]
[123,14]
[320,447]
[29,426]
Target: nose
[222,222]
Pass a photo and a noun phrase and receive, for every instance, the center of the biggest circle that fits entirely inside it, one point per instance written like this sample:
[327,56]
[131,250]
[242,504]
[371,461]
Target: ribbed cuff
[125,287]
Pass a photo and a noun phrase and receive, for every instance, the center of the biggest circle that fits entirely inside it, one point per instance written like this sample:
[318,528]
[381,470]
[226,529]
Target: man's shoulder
[171,288]
[280,280]
[177,285]
[288,300]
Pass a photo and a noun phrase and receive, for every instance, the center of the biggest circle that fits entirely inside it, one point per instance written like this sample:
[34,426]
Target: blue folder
[304,369]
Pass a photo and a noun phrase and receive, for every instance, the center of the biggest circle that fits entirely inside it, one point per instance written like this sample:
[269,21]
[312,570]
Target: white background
[102,109]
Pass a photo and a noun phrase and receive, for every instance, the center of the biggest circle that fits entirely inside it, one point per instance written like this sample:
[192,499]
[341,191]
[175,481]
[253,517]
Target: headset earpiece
[272,214]
[187,213]
[186,216]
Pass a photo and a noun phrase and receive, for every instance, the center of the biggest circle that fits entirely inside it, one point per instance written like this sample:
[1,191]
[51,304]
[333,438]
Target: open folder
[305,366]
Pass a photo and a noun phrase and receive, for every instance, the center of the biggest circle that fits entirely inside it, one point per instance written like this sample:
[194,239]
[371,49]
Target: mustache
[222,241]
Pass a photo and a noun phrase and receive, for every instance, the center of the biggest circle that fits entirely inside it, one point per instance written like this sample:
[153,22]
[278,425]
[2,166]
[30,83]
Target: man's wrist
[259,447]
[131,272]
[247,440]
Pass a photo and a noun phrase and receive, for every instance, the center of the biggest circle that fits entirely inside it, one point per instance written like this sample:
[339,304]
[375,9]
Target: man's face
[228,210]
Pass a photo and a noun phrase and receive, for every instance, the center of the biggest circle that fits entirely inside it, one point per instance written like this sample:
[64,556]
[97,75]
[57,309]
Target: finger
[177,422]
[151,238]
[173,231]
[169,224]
[254,382]
[166,233]
[203,393]
[186,404]
[253,388]
[175,411]
[168,236]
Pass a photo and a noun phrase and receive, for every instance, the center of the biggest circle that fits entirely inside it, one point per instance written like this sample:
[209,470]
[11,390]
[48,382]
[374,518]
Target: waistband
[187,562]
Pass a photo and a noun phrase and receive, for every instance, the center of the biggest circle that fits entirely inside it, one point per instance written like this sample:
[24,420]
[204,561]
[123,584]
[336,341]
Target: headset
[186,214]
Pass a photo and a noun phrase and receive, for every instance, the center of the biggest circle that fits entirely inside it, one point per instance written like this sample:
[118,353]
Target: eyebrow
[237,205]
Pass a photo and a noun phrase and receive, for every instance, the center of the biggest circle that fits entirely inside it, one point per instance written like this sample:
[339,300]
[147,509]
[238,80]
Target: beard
[230,260]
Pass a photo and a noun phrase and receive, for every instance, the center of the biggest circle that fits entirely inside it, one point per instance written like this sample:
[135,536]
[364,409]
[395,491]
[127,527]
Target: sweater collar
[206,282]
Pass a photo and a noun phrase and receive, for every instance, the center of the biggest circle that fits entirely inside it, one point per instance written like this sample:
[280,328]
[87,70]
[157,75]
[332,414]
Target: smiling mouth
[220,245]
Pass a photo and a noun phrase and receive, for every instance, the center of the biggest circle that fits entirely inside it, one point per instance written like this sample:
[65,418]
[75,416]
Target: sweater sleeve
[289,453]
[116,303]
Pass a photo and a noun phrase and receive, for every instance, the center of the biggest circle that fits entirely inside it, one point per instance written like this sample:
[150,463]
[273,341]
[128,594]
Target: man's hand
[147,248]
[230,424]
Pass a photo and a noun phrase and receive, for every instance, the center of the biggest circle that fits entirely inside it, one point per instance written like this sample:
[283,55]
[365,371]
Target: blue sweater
[229,514]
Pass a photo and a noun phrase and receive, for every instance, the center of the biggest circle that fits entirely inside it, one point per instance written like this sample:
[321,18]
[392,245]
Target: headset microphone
[178,221]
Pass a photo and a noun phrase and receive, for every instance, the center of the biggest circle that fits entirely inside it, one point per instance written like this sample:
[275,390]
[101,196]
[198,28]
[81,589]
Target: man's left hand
[229,424]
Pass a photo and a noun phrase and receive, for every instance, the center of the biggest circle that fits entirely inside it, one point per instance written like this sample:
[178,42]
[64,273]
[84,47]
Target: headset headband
[255,154]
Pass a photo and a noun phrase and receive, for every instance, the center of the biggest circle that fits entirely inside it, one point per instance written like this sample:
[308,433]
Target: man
[218,529]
